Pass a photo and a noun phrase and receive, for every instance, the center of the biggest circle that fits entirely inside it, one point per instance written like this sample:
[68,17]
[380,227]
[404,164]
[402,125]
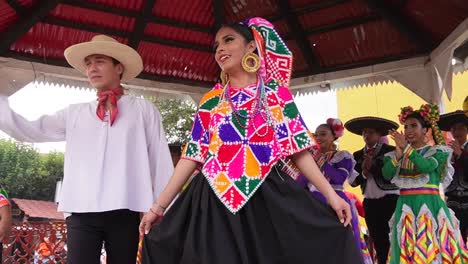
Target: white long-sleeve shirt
[123,166]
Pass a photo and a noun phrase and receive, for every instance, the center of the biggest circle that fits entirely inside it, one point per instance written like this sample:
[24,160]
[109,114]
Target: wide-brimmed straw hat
[446,121]
[382,125]
[104,45]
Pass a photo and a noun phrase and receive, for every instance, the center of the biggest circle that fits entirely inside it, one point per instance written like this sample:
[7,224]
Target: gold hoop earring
[224,78]
[256,62]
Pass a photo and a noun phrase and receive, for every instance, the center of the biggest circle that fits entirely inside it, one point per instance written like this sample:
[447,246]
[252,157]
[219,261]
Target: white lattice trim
[454,223]
[406,210]
[409,182]
[425,211]
[441,216]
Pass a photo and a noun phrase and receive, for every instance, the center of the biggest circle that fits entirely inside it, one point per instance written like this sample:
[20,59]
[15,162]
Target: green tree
[25,173]
[177,118]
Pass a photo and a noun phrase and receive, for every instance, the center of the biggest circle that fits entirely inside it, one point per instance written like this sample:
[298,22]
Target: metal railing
[38,243]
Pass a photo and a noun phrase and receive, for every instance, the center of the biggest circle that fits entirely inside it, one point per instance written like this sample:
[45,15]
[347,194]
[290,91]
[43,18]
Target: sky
[37,99]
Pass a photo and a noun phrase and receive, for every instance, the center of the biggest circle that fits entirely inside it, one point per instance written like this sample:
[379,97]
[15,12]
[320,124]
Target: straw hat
[104,45]
[382,125]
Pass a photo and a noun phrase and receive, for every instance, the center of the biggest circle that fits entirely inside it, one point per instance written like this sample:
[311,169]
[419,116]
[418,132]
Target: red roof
[174,37]
[39,209]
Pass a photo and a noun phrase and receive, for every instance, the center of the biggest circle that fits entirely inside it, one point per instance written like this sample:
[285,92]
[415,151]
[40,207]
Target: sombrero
[465,106]
[382,125]
[446,121]
[104,45]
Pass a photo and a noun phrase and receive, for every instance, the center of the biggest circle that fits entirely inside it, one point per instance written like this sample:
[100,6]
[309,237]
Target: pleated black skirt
[281,224]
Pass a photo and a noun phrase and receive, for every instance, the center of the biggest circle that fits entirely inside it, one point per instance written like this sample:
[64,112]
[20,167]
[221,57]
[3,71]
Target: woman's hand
[342,209]
[399,138]
[152,217]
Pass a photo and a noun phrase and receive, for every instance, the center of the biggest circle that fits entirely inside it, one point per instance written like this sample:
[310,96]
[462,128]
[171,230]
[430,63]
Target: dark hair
[240,28]
[115,62]
[420,119]
[329,128]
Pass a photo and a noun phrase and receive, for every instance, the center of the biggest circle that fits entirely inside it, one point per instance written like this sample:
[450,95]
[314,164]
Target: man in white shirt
[380,195]
[117,159]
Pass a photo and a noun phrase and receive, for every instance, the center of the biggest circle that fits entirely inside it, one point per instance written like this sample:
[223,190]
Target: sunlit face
[102,73]
[370,136]
[459,132]
[414,131]
[230,47]
[324,136]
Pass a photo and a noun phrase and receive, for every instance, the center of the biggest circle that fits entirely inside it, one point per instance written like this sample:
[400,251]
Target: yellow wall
[460,91]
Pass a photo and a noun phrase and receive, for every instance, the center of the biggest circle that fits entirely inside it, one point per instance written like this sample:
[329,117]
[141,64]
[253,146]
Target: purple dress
[337,166]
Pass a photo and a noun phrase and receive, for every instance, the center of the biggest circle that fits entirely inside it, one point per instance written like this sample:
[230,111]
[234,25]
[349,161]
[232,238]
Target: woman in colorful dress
[337,166]
[423,229]
[240,208]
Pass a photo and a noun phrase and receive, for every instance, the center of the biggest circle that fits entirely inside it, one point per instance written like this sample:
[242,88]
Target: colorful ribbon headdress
[430,114]
[275,58]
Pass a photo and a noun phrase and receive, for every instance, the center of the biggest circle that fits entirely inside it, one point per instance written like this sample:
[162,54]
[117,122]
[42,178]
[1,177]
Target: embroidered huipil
[238,153]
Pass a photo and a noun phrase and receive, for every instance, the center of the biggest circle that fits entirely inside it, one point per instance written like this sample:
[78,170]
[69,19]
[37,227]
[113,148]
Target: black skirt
[281,224]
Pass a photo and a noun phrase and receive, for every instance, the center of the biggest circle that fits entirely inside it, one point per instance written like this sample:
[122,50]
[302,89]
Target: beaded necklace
[259,107]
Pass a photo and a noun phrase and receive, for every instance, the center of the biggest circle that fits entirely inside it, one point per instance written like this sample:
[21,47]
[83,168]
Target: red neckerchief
[111,96]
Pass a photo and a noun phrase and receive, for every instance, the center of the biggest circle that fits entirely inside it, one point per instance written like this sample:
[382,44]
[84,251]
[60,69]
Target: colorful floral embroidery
[238,153]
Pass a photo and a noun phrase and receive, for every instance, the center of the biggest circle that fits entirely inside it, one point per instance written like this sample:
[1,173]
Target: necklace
[259,107]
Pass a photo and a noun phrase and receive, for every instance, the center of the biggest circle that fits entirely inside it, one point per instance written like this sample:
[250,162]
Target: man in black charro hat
[380,195]
[457,192]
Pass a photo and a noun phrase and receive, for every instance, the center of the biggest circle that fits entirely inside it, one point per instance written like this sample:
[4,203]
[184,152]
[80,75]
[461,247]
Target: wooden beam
[180,24]
[461,52]
[102,8]
[404,25]
[140,24]
[34,15]
[85,27]
[20,9]
[339,25]
[135,14]
[343,24]
[317,6]
[298,33]
[177,44]
[122,34]
[310,8]
[218,13]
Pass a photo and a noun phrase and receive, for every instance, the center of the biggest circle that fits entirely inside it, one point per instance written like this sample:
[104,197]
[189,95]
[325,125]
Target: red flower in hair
[337,126]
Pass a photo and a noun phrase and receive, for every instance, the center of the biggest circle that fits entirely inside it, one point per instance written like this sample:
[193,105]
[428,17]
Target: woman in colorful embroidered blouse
[423,229]
[240,209]
[337,166]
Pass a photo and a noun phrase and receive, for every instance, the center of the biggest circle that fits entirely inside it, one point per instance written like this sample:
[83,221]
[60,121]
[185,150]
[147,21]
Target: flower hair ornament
[336,126]
[430,114]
